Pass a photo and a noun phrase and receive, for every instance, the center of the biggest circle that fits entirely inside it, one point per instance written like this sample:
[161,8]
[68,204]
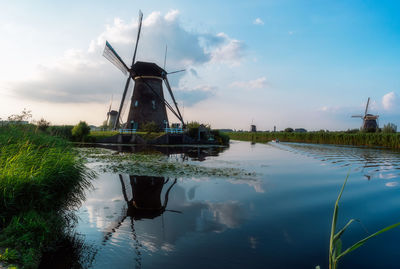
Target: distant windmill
[369,120]
[111,115]
[147,103]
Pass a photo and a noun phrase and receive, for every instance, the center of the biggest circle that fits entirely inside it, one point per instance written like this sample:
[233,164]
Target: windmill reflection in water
[145,203]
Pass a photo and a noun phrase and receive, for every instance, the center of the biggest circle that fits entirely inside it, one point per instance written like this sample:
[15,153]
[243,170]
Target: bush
[220,137]
[42,125]
[389,128]
[150,127]
[80,131]
[64,131]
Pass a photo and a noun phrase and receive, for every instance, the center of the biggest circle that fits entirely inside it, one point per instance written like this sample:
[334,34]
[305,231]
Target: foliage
[63,131]
[40,178]
[80,131]
[352,131]
[150,127]
[220,137]
[9,255]
[335,242]
[338,138]
[288,130]
[42,124]
[389,128]
[24,116]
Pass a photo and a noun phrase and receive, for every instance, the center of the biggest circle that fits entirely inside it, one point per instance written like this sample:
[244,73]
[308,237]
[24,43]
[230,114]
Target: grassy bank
[40,179]
[387,140]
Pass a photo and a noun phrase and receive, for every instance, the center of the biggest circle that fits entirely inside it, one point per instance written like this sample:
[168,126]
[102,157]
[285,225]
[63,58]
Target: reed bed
[41,178]
[387,140]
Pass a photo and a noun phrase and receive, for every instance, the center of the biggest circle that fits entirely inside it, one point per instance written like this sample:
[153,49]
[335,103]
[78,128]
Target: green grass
[335,242]
[386,140]
[98,135]
[40,179]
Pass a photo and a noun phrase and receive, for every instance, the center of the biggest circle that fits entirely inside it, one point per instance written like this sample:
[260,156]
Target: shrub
[42,125]
[389,128]
[64,131]
[80,131]
[150,127]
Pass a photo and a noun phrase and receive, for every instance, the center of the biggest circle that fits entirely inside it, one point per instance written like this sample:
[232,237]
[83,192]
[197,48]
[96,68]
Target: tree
[80,131]
[289,130]
[18,118]
[389,128]
[42,124]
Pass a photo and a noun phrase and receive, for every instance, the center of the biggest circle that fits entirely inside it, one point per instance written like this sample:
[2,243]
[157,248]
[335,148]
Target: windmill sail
[110,54]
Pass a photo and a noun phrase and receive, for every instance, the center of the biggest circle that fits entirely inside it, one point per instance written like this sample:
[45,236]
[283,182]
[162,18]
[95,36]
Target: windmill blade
[176,71]
[173,99]
[110,54]
[366,108]
[122,102]
[357,116]
[138,35]
[165,56]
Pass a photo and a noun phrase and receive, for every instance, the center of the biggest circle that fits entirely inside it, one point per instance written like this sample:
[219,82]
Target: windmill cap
[148,69]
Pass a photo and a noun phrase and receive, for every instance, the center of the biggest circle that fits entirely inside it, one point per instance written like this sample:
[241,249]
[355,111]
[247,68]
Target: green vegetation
[154,164]
[63,131]
[335,242]
[389,128]
[41,179]
[207,134]
[388,140]
[80,131]
[150,127]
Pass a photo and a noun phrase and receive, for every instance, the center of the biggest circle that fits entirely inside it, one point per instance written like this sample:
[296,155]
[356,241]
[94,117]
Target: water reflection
[372,163]
[195,153]
[155,214]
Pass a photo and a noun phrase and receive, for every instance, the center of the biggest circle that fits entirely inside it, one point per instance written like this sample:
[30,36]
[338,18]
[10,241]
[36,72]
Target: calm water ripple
[279,219]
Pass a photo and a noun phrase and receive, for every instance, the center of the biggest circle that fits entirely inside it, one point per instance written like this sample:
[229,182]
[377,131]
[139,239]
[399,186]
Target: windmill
[369,120]
[111,116]
[147,102]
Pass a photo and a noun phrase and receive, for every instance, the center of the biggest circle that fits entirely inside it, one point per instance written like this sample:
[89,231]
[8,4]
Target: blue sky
[308,64]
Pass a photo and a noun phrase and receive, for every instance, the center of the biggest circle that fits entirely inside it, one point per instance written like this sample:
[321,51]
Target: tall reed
[41,178]
[387,140]
[335,242]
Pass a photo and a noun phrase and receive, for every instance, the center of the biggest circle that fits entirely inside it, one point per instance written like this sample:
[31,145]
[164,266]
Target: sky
[288,63]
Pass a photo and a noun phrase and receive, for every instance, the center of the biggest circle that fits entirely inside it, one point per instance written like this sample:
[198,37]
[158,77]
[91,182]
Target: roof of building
[148,69]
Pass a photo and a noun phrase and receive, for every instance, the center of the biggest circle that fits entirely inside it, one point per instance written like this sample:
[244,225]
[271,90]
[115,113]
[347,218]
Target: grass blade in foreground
[335,243]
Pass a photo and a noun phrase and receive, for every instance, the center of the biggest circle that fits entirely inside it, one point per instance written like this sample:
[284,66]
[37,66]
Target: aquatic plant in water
[335,242]
[156,165]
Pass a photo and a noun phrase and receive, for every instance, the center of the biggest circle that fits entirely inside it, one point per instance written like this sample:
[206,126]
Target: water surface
[278,219]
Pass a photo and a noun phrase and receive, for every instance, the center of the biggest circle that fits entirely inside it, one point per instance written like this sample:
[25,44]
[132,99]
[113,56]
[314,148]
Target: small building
[253,128]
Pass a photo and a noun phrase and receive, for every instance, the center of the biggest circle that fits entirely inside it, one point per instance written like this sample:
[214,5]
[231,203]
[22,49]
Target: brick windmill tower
[147,102]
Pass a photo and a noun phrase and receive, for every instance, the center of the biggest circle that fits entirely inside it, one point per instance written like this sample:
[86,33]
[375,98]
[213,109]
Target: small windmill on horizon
[147,102]
[369,120]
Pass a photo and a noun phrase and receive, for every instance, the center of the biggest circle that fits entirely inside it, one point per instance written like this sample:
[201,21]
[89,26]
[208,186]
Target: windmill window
[136,103]
[153,102]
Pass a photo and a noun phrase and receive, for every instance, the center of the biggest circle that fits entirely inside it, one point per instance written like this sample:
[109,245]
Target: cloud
[390,101]
[191,97]
[229,51]
[258,83]
[258,21]
[85,76]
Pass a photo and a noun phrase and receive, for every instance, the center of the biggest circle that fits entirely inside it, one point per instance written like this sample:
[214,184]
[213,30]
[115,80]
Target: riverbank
[386,140]
[41,178]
